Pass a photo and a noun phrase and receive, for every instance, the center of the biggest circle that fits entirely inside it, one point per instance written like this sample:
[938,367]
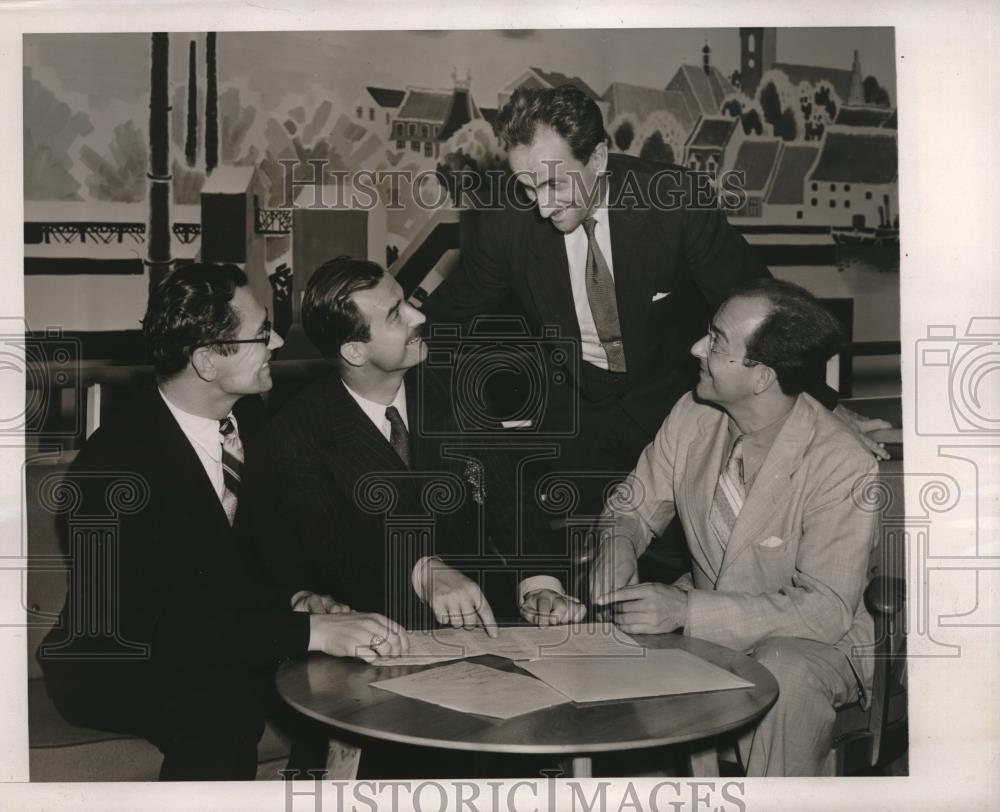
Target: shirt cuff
[534,582]
[417,575]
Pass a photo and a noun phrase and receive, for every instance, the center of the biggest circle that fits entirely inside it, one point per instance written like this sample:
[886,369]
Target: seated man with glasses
[166,633]
[764,481]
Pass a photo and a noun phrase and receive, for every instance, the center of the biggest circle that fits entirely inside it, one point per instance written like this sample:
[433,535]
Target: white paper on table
[661,672]
[577,640]
[475,688]
[438,646]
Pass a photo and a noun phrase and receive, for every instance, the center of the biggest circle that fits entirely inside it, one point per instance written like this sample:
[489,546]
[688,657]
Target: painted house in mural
[705,149]
[376,106]
[427,118]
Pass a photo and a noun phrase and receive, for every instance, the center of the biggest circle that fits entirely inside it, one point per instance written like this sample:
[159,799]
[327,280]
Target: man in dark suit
[377,496]
[627,257]
[166,633]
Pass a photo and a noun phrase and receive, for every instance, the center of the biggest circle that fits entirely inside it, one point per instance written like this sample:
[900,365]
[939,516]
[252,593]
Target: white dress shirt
[206,440]
[376,411]
[576,254]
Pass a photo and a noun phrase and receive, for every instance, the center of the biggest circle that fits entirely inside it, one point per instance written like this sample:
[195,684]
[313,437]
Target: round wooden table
[337,692]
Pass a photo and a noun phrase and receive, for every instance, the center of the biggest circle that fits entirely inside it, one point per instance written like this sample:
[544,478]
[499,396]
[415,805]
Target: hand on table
[365,635]
[455,599]
[306,601]
[868,429]
[647,608]
[546,607]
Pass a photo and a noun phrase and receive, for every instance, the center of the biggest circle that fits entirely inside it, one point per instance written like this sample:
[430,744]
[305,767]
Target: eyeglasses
[710,332]
[263,338]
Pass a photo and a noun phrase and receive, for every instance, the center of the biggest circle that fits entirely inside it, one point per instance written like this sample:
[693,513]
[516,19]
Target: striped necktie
[603,305]
[399,437]
[232,466]
[730,493]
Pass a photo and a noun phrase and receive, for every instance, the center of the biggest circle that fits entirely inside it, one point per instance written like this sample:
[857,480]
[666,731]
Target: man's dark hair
[566,109]
[191,308]
[329,316]
[796,338]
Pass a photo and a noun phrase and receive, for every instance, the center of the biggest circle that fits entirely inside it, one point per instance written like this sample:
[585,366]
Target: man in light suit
[763,479]
[167,633]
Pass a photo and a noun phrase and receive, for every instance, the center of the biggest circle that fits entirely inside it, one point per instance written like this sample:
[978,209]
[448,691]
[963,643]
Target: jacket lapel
[633,249]
[779,467]
[547,273]
[361,447]
[701,473]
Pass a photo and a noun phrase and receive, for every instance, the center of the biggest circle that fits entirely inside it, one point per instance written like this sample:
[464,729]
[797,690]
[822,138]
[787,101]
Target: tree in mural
[120,176]
[191,142]
[236,120]
[51,127]
[874,92]
[471,148]
[211,105]
[660,138]
[819,106]
[738,106]
[624,135]
[780,117]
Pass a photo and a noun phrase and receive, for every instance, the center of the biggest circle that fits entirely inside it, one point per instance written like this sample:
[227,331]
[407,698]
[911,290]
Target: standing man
[627,256]
[377,437]
[193,637]
[764,480]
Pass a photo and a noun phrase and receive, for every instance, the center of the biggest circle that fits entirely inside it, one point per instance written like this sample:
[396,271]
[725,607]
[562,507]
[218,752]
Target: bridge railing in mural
[36,233]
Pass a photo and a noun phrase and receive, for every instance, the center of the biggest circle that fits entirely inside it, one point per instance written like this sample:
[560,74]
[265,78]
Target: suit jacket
[181,584]
[338,511]
[662,243]
[797,561]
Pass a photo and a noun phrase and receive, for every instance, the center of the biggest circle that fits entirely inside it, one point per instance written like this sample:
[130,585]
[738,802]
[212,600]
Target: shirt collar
[201,430]
[376,411]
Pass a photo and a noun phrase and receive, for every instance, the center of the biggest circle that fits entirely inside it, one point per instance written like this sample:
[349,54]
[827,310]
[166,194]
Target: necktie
[232,466]
[729,496]
[603,305]
[399,438]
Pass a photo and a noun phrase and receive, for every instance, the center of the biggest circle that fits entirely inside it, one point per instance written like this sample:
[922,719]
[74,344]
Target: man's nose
[416,316]
[700,347]
[276,341]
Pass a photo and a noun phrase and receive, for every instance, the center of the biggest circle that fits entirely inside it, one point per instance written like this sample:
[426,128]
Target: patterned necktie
[603,305]
[399,437]
[232,466]
[730,494]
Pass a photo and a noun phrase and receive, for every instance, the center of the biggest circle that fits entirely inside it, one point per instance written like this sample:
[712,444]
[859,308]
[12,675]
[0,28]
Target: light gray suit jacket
[797,561]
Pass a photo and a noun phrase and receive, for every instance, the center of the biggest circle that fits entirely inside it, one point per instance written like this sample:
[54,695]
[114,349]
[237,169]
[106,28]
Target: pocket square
[771,542]
[658,296]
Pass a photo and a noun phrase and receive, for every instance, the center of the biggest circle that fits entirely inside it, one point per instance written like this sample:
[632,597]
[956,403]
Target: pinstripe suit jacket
[797,561]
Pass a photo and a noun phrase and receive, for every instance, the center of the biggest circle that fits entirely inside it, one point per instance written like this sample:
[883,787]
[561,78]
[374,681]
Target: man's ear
[354,353]
[599,157]
[203,362]
[765,379]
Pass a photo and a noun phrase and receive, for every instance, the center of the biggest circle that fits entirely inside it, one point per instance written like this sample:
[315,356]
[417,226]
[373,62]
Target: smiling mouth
[416,339]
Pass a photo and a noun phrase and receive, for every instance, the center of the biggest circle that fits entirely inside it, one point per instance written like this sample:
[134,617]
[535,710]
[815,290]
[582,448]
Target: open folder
[660,672]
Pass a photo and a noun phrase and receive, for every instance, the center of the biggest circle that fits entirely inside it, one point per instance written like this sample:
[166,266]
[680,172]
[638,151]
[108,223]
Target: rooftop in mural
[859,155]
[706,91]
[425,105]
[386,97]
[555,79]
[864,116]
[794,164]
[641,101]
[712,131]
[756,160]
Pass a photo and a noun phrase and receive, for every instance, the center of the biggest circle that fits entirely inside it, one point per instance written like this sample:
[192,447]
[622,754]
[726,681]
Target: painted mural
[275,150]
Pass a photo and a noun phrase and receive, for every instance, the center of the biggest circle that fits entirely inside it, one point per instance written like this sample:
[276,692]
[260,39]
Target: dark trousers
[206,722]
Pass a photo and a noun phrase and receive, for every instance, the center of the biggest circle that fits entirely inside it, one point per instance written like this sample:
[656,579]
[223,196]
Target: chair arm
[884,596]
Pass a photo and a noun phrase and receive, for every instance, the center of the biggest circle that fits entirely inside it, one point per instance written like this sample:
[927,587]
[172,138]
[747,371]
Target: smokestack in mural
[211,106]
[191,144]
[158,233]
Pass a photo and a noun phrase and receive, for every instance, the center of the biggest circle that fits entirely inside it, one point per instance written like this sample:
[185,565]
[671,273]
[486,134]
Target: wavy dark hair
[330,318]
[191,308]
[566,109]
[796,338]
